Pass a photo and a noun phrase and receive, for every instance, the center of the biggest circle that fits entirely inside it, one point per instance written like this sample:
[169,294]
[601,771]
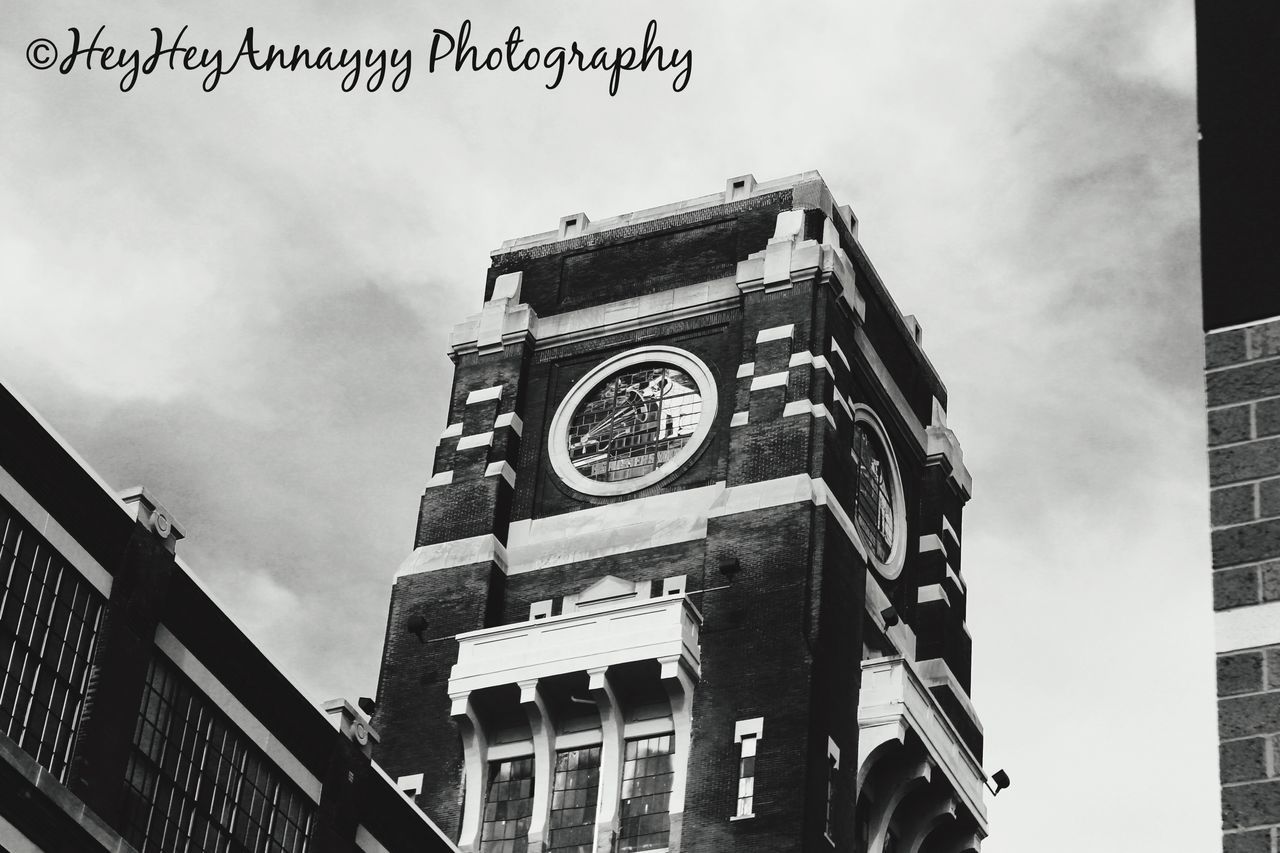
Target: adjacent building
[687,573]
[1238,48]
[134,714]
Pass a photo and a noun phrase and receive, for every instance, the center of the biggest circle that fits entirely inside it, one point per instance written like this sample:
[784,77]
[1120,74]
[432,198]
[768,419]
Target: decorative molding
[770,380]
[481,439]
[443,478]
[1247,627]
[776,333]
[458,552]
[480,395]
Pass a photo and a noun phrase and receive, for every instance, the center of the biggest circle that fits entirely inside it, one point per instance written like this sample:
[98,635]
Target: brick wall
[1243,387]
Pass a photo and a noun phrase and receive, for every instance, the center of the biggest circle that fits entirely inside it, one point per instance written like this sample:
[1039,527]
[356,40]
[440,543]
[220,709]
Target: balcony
[596,635]
[913,762]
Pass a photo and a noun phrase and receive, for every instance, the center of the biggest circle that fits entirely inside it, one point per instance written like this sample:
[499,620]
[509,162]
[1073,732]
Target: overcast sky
[242,300]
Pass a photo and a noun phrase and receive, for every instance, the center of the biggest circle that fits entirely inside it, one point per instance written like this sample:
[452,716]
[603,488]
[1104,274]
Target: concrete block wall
[1242,382]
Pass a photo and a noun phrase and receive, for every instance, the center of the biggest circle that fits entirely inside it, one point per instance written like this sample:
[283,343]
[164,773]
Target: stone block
[1250,805]
[1251,841]
[1269,498]
[1251,461]
[1236,588]
[1263,341]
[1243,383]
[1248,543]
[1241,673]
[1240,716]
[1224,348]
[1267,413]
[1243,760]
[1231,505]
[1270,581]
[1229,425]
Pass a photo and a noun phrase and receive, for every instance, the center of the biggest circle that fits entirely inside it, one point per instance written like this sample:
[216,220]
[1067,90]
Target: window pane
[508,807]
[196,782]
[647,775]
[49,618]
[574,792]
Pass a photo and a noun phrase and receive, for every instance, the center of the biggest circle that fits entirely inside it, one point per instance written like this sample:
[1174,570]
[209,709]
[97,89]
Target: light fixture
[1000,778]
[890,616]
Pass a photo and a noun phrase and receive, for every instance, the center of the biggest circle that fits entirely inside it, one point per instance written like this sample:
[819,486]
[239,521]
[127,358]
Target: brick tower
[687,573]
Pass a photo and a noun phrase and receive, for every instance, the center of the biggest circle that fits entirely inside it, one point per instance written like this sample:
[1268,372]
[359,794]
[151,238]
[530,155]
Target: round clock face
[632,420]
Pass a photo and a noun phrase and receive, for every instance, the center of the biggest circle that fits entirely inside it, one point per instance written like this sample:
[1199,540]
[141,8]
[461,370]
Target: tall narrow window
[747,777]
[574,791]
[873,515]
[647,774]
[508,807]
[747,734]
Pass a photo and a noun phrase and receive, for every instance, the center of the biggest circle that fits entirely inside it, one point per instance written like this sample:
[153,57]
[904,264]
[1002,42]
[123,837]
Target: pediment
[608,588]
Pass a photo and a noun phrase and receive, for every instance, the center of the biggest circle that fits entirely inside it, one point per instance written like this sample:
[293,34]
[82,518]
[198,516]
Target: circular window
[632,421]
[879,514]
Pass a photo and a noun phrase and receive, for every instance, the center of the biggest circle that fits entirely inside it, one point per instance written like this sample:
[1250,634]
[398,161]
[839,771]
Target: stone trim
[242,717]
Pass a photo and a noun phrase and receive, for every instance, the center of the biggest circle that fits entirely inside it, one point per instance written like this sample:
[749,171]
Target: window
[747,777]
[508,806]
[632,420]
[747,734]
[196,782]
[634,423]
[574,791]
[49,617]
[647,774]
[874,513]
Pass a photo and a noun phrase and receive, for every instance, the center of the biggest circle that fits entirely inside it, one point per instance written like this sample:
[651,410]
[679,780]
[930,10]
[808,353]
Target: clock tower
[687,572]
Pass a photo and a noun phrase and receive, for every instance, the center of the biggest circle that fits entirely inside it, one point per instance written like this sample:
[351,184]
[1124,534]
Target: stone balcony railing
[663,629]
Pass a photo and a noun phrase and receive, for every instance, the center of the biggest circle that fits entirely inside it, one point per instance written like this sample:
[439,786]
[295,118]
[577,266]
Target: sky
[242,299]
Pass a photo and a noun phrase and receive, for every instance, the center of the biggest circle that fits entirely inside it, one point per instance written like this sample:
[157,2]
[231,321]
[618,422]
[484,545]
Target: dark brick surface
[1231,505]
[1224,348]
[1270,577]
[1248,543]
[1269,498]
[1267,415]
[1242,760]
[1272,656]
[1229,425]
[1235,588]
[1246,382]
[1250,805]
[1240,673]
[1253,841]
[1239,716]
[1251,461]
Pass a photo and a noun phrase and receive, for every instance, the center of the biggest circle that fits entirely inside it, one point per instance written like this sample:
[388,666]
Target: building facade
[134,715]
[687,572]
[1238,67]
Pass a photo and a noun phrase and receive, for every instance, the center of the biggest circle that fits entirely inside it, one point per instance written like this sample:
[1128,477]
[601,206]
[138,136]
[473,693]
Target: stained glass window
[634,422]
[647,775]
[874,501]
[508,807]
[573,800]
